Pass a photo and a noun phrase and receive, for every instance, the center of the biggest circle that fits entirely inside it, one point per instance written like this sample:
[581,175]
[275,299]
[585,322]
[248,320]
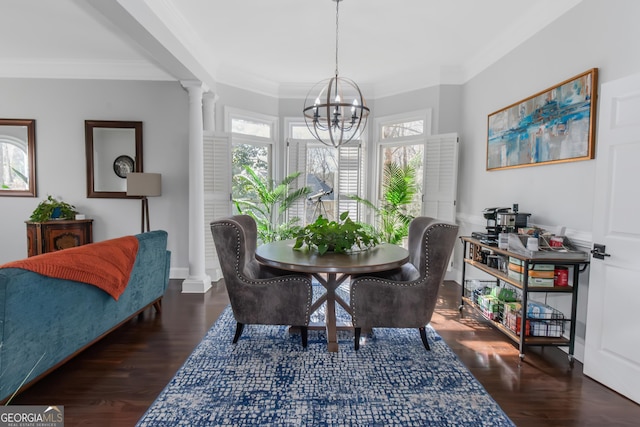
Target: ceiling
[276,47]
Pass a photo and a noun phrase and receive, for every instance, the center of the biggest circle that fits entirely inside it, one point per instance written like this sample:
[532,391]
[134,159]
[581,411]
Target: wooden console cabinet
[55,235]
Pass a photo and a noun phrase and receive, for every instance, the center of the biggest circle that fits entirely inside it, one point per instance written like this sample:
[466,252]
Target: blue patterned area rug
[268,379]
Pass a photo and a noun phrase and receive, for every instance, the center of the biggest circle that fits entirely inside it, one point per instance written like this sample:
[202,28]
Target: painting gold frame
[556,125]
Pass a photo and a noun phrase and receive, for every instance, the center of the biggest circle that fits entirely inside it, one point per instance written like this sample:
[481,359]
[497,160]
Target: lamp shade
[144,184]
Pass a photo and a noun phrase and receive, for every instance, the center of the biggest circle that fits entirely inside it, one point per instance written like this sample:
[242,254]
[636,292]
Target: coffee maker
[501,220]
[493,229]
[511,222]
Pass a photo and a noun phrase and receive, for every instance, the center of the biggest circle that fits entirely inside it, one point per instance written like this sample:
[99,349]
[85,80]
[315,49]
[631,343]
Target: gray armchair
[258,294]
[405,297]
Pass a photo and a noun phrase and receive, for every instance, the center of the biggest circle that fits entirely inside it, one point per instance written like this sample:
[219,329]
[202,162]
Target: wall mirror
[113,150]
[18,157]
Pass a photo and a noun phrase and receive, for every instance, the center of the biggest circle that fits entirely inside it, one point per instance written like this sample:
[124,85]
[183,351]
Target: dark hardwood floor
[113,382]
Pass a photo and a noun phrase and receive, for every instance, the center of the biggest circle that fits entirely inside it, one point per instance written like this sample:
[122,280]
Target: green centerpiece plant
[342,236]
[52,208]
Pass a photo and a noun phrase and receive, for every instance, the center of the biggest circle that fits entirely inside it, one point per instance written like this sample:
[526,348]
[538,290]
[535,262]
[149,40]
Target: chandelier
[335,110]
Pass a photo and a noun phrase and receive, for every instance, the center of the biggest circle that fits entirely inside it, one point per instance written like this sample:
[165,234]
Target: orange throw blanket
[106,264]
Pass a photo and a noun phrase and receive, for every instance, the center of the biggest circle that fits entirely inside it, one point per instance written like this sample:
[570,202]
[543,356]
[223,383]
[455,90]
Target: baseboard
[178,273]
[196,285]
[182,273]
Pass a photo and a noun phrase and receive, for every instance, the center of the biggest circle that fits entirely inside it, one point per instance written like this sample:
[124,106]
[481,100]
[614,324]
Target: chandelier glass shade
[335,111]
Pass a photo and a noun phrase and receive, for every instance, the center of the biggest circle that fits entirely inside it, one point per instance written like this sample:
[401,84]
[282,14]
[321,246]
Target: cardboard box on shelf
[504,293]
[541,274]
[512,319]
[539,267]
[491,306]
[533,281]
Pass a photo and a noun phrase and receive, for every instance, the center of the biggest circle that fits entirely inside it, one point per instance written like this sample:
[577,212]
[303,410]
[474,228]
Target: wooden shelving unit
[577,261]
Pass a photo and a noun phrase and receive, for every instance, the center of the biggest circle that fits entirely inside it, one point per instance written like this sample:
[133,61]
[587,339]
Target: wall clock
[122,165]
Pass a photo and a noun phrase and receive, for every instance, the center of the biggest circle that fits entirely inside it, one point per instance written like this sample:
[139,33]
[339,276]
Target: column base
[196,285]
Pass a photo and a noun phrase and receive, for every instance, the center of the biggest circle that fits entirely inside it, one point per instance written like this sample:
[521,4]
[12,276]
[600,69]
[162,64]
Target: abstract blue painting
[553,126]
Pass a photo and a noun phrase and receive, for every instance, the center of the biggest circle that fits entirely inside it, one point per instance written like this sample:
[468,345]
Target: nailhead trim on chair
[256,282]
[407,284]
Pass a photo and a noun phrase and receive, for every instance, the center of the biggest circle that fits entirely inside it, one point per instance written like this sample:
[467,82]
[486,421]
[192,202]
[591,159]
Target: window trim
[231,113]
[374,165]
[425,115]
[275,161]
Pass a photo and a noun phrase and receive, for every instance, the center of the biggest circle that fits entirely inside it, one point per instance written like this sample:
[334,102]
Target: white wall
[60,108]
[596,34]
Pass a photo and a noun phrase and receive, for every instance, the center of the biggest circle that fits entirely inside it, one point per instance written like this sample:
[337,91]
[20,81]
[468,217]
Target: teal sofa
[46,321]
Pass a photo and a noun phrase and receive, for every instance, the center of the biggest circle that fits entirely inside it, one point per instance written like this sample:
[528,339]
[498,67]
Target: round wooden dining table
[331,270]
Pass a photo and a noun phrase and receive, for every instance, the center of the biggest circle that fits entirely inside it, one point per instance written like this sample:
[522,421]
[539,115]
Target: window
[248,140]
[400,129]
[322,172]
[401,148]
[406,141]
[409,158]
[253,138]
[251,127]
[257,157]
[332,174]
[14,164]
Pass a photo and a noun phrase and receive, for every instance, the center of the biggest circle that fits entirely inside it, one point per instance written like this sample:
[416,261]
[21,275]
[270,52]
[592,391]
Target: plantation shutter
[349,160]
[217,192]
[441,176]
[297,161]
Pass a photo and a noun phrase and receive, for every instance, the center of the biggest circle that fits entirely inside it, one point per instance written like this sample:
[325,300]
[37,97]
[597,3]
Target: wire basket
[475,288]
[542,320]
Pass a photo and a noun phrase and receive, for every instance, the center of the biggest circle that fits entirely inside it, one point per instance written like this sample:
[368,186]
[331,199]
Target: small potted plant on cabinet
[52,208]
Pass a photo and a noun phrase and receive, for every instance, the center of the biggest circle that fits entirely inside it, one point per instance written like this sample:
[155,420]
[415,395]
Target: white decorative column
[197,281]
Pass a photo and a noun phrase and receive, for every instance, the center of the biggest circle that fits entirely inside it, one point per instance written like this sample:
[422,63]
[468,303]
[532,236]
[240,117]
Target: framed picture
[553,126]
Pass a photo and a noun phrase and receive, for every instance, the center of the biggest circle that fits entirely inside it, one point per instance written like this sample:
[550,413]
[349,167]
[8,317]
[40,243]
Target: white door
[612,342]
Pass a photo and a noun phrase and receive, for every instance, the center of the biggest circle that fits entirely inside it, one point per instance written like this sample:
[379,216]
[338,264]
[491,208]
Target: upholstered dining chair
[258,294]
[405,297]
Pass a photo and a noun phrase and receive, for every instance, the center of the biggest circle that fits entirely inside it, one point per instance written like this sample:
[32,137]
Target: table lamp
[145,185]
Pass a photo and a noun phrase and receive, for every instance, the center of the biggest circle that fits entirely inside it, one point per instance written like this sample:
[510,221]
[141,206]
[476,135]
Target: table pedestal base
[330,325]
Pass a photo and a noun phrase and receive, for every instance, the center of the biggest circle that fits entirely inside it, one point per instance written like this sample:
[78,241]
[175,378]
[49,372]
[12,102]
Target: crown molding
[80,69]
[173,34]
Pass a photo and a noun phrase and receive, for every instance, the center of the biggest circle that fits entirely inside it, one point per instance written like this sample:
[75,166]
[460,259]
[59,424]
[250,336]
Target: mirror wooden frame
[30,124]
[91,143]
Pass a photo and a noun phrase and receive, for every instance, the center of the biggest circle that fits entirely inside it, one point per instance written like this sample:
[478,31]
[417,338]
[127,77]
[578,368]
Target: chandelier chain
[337,6]
[335,111]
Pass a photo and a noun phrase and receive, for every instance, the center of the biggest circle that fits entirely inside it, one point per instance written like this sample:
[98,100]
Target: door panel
[612,341]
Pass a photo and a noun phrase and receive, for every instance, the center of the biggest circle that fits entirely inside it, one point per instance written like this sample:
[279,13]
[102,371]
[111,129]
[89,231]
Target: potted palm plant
[267,202]
[398,191]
